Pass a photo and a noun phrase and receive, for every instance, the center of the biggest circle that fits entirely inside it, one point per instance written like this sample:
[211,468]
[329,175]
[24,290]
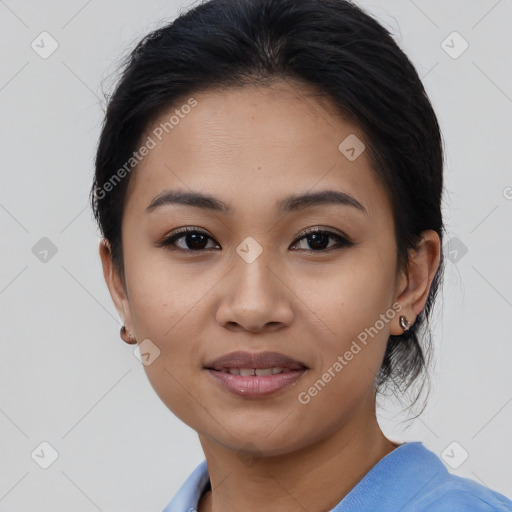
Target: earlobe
[127,337]
[404,323]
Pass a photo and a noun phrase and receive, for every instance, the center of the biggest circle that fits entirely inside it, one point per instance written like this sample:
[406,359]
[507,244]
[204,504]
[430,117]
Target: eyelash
[169,241]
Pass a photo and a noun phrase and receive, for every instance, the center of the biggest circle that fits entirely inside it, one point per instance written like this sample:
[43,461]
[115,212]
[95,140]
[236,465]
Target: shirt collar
[188,495]
[394,481]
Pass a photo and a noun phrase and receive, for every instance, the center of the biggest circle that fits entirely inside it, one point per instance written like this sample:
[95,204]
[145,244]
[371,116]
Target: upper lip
[242,359]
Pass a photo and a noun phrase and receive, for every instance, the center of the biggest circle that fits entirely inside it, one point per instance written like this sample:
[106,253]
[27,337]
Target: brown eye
[191,240]
[318,240]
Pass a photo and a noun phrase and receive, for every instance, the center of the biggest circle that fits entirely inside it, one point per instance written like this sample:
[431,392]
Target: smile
[256,382]
[246,372]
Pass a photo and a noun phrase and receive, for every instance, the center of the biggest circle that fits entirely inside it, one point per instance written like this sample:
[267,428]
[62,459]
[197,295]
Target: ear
[414,286]
[116,288]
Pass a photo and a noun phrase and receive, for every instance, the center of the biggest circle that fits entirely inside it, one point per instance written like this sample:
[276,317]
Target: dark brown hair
[332,45]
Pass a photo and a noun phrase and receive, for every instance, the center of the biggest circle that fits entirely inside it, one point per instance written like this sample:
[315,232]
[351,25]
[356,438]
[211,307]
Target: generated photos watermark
[150,143]
[304,397]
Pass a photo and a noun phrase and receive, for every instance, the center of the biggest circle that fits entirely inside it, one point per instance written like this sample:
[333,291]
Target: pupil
[196,240]
[318,241]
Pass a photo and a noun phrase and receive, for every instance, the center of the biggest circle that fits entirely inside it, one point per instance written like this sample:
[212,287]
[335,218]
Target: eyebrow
[287,205]
[323,197]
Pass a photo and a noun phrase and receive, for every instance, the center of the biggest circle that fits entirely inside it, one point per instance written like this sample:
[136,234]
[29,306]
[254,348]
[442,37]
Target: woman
[268,186]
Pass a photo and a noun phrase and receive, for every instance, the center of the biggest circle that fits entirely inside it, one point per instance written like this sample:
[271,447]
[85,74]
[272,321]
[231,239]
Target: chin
[255,443]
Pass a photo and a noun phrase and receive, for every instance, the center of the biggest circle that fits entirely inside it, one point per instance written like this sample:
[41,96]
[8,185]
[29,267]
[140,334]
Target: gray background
[66,377]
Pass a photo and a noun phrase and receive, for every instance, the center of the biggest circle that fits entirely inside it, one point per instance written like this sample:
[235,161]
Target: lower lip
[256,385]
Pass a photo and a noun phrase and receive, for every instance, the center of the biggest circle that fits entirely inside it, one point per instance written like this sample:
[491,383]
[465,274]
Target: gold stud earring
[404,323]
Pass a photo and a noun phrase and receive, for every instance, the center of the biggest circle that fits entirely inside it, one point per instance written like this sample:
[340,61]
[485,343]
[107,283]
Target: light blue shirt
[409,479]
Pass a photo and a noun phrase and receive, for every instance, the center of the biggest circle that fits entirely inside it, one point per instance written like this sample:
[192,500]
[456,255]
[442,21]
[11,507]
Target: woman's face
[255,278]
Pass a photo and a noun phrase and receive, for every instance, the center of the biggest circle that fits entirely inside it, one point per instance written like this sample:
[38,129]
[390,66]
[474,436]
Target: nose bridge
[253,270]
[254,296]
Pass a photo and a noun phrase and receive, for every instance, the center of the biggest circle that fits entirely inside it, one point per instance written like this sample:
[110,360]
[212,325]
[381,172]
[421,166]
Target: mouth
[252,361]
[246,372]
[255,374]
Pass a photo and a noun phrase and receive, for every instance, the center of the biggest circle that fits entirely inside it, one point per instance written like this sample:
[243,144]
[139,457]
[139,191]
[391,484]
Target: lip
[241,359]
[255,386]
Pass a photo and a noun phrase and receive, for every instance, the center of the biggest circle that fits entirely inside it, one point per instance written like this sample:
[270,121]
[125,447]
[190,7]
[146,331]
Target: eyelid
[188,229]
[320,229]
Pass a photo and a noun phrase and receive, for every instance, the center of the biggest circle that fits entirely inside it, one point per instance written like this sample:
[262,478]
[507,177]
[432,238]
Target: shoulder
[414,479]
[452,493]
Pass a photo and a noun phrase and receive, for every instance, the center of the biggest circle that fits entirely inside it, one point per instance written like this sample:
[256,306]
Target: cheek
[165,297]
[168,310]
[351,309]
[348,298]
[171,382]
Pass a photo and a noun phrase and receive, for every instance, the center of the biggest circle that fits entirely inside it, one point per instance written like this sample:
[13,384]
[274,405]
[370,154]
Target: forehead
[254,144]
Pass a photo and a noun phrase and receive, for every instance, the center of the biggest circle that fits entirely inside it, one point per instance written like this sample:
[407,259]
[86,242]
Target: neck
[315,477]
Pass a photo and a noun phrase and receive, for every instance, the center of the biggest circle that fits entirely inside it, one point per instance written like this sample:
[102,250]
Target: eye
[195,240]
[318,240]
[188,239]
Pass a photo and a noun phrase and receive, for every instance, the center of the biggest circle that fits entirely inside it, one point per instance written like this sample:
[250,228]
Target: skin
[251,147]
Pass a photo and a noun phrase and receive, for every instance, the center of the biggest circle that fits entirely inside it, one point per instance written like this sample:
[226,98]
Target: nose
[255,298]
